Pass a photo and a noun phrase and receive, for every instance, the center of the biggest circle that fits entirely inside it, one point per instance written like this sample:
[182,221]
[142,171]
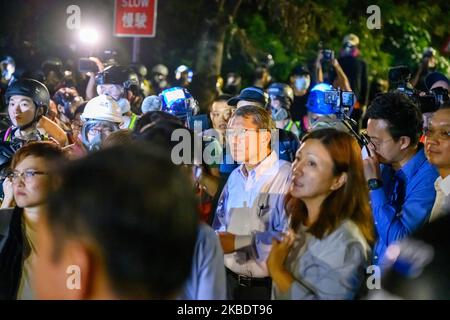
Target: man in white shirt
[250,211]
[437,147]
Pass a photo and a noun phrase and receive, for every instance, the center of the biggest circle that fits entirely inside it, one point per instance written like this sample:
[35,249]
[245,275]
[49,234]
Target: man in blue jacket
[401,180]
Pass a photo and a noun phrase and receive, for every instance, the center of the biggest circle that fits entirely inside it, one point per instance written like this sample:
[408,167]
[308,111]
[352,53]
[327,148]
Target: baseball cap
[434,77]
[255,94]
[300,71]
[351,39]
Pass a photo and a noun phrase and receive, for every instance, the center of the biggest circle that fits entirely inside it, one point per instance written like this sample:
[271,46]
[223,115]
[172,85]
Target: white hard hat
[104,108]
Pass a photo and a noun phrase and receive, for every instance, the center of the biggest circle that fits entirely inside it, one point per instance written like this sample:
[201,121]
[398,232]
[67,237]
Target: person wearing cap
[255,96]
[281,97]
[427,65]
[300,81]
[356,71]
[122,84]
[437,80]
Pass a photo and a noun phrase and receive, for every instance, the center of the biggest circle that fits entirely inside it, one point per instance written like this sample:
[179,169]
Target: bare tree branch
[235,9]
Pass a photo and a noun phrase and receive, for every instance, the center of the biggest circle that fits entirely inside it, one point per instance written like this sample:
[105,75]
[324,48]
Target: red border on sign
[135,35]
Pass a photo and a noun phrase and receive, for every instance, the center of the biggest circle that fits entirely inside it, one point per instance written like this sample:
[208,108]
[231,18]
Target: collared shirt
[404,202]
[329,268]
[251,207]
[207,280]
[442,202]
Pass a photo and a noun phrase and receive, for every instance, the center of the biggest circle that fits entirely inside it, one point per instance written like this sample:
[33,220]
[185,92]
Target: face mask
[279,114]
[6,74]
[124,105]
[302,83]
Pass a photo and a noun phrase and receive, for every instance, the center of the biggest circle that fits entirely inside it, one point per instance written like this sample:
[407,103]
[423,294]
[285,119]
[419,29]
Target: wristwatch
[374,184]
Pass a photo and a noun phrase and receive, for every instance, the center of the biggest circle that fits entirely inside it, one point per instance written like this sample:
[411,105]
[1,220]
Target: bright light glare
[89,36]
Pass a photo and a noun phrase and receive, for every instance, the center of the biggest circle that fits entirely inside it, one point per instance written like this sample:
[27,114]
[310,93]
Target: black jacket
[13,251]
[356,71]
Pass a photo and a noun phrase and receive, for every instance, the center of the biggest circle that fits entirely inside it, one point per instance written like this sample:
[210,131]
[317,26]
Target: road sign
[135,18]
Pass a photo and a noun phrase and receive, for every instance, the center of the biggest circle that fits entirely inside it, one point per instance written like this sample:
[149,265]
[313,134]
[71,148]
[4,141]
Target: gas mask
[279,114]
[94,132]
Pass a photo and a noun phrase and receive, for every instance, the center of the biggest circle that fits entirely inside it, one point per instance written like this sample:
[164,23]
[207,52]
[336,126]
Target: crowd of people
[119,187]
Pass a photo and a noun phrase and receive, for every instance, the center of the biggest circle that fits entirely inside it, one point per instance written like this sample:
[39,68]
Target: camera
[399,80]
[433,100]
[328,55]
[87,65]
[342,102]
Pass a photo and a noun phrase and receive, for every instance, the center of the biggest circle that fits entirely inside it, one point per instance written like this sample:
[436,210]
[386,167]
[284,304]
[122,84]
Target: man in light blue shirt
[402,186]
[250,211]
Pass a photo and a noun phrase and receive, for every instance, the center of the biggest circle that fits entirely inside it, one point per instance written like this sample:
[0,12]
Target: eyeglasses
[377,143]
[27,175]
[239,132]
[438,134]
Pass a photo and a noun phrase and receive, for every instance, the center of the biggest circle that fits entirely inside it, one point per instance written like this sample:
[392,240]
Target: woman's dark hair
[151,117]
[351,201]
[48,151]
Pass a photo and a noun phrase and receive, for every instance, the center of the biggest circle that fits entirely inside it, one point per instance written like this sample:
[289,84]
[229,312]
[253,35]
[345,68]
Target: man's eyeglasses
[27,175]
[240,132]
[375,142]
[438,134]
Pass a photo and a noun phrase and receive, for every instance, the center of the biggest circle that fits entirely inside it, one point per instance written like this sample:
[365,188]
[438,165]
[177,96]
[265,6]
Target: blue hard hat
[316,100]
[179,102]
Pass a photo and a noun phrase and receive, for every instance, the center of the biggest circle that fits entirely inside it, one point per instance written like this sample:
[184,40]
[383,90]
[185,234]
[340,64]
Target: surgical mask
[6,74]
[279,114]
[124,105]
[302,83]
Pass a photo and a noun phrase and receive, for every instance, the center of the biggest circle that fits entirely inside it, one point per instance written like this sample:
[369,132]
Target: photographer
[437,80]
[430,100]
[356,70]
[91,86]
[320,113]
[331,64]
[122,84]
[427,66]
